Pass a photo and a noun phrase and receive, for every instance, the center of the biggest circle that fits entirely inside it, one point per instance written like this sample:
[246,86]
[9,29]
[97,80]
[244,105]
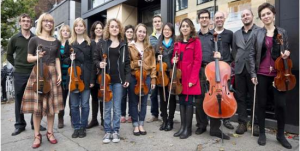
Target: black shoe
[17,131]
[227,124]
[136,133]
[200,131]
[169,125]
[262,139]
[102,122]
[163,125]
[219,134]
[187,132]
[82,133]
[92,124]
[241,129]
[182,121]
[143,132]
[256,130]
[282,140]
[75,134]
[42,128]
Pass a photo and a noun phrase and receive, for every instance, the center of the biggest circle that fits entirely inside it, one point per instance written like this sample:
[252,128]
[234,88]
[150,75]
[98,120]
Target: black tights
[163,104]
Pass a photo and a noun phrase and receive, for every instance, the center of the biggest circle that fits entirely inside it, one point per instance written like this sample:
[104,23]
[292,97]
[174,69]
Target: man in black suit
[243,85]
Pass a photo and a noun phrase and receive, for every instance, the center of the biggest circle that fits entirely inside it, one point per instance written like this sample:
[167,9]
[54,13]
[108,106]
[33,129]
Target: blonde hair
[74,35]
[60,30]
[146,40]
[106,29]
[44,16]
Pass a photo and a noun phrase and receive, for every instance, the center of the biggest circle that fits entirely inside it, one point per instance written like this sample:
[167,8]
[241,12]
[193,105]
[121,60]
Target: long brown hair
[193,30]
[146,40]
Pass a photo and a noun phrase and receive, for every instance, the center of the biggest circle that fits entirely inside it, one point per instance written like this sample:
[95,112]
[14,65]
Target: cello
[162,78]
[104,81]
[219,102]
[76,85]
[42,84]
[284,80]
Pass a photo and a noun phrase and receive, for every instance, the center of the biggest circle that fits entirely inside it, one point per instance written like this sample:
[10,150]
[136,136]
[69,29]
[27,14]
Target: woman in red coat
[188,48]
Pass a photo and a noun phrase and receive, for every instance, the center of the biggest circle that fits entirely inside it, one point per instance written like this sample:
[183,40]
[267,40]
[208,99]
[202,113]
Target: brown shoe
[152,119]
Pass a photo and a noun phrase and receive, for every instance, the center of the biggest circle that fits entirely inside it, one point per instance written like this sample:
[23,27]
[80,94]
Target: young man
[225,46]
[206,36]
[243,85]
[18,45]
[157,25]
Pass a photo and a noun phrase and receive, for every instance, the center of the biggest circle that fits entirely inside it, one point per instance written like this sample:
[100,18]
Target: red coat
[190,65]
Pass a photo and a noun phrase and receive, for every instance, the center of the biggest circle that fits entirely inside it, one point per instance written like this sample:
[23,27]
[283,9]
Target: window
[211,11]
[202,1]
[181,4]
[96,3]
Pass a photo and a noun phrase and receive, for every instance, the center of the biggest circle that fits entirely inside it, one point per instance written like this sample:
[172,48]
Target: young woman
[140,48]
[64,34]
[96,34]
[128,39]
[118,68]
[262,56]
[166,41]
[189,62]
[50,103]
[82,57]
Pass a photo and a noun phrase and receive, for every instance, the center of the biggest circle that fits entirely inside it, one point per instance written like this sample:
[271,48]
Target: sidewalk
[155,140]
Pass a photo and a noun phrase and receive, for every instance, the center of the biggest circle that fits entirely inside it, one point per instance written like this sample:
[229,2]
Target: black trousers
[244,86]
[124,103]
[264,88]
[201,117]
[3,87]
[20,82]
[95,102]
[164,104]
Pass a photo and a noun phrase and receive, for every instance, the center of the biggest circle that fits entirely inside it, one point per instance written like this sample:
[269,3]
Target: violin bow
[71,70]
[103,81]
[162,73]
[141,78]
[172,78]
[39,48]
[254,100]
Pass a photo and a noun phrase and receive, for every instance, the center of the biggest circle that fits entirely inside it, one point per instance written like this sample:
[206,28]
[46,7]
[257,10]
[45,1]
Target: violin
[76,84]
[175,85]
[219,102]
[284,80]
[161,67]
[42,84]
[104,81]
[141,88]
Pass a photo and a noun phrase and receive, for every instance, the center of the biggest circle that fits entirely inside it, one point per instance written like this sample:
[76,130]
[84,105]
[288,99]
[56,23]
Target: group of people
[122,52]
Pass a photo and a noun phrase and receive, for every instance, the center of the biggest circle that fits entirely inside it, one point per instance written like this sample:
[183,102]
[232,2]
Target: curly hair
[193,30]
[106,33]
[92,31]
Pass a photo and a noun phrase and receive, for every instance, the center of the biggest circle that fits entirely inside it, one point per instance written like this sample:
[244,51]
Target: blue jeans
[154,102]
[82,100]
[115,103]
[138,118]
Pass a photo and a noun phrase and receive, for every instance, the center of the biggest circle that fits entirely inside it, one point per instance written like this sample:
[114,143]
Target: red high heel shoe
[48,137]
[39,136]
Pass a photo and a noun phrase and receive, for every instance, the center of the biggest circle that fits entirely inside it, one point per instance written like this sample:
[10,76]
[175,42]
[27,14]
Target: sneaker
[75,134]
[227,124]
[123,119]
[241,129]
[106,138]
[116,137]
[152,119]
[82,133]
[129,120]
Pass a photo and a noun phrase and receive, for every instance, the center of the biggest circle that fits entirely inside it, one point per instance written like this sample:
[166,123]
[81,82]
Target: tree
[10,10]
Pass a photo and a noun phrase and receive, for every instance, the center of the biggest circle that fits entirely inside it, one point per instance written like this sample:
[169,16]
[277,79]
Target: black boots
[282,140]
[182,121]
[188,123]
[60,120]
[163,125]
[169,125]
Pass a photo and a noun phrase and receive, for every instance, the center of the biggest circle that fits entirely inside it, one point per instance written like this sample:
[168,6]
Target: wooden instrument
[104,81]
[219,102]
[284,80]
[162,78]
[175,86]
[141,88]
[76,84]
[42,84]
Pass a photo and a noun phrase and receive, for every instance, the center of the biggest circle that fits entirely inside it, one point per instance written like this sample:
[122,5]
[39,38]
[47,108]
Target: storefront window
[181,4]
[202,1]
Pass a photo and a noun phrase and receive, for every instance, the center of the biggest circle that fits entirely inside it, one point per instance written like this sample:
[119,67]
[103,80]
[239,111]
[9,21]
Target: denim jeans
[138,118]
[80,99]
[124,103]
[154,102]
[115,103]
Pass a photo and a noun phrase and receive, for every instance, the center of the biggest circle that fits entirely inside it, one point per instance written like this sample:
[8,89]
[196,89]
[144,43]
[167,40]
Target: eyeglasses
[206,17]
[48,21]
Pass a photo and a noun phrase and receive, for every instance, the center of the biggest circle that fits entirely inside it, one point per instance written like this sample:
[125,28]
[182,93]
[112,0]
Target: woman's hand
[175,59]
[217,55]
[102,65]
[58,80]
[286,54]
[152,86]
[126,84]
[190,84]
[91,85]
[73,56]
